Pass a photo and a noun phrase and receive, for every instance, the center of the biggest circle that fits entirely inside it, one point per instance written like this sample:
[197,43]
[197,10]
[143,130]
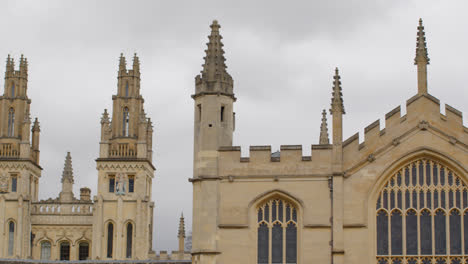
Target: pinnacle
[181,227]
[136,62]
[337,95]
[324,130]
[105,117]
[36,126]
[122,63]
[214,60]
[421,48]
[67,168]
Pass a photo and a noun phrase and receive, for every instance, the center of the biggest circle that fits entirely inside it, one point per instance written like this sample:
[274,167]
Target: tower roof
[337,95]
[324,140]
[68,169]
[421,48]
[214,60]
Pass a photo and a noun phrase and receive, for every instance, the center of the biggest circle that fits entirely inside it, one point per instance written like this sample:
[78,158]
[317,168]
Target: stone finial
[68,169]
[324,140]
[36,127]
[122,64]
[105,117]
[421,48]
[337,96]
[136,63]
[214,60]
[181,227]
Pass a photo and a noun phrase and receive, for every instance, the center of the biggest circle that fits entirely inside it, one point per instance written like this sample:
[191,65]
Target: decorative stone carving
[121,183]
[423,125]
[4,183]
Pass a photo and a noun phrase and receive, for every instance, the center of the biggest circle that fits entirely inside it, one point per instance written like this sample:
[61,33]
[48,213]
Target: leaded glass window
[277,233]
[83,251]
[64,251]
[422,215]
[45,250]
[129,240]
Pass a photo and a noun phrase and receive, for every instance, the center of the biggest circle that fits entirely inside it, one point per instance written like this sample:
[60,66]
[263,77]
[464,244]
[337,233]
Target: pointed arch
[11,122]
[125,122]
[110,235]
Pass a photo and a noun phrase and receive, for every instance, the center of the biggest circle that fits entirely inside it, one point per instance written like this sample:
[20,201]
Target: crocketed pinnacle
[67,169]
[122,63]
[136,63]
[421,49]
[337,96]
[214,65]
[324,140]
[181,227]
[10,64]
[36,127]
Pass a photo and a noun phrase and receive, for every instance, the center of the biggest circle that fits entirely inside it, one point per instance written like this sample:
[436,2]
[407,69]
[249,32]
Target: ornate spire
[337,96]
[421,49]
[36,127]
[214,65]
[136,64]
[67,169]
[122,63]
[324,130]
[181,227]
[105,117]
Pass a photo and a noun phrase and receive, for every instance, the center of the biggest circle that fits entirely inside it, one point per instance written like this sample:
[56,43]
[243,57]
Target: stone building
[117,223]
[400,196]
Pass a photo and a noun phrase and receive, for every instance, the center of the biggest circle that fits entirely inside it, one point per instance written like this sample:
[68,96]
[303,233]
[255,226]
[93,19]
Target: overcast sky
[281,55]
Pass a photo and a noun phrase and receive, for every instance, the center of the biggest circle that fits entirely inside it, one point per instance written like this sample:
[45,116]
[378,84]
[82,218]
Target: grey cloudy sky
[281,55]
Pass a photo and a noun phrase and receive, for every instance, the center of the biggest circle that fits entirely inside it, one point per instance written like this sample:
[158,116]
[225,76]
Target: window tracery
[277,232]
[422,216]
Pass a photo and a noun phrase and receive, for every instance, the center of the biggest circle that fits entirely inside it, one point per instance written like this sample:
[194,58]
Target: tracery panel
[277,233]
[422,215]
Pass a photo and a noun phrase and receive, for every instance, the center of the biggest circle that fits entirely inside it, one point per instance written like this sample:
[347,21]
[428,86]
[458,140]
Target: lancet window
[11,122]
[125,122]
[13,90]
[422,216]
[64,251]
[110,239]
[45,250]
[83,251]
[129,240]
[11,238]
[277,233]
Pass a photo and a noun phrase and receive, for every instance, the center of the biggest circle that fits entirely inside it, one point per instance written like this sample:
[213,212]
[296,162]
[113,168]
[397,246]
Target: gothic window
[45,250]
[125,122]
[13,90]
[83,251]
[14,183]
[129,240]
[126,89]
[11,238]
[131,184]
[110,239]
[422,215]
[111,184]
[11,122]
[277,233]
[222,113]
[64,251]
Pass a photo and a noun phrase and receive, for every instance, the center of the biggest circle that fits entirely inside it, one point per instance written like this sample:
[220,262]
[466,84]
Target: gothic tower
[19,163]
[123,217]
[214,126]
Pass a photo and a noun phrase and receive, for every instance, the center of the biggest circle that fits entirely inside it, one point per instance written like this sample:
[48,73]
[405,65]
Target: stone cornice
[129,163]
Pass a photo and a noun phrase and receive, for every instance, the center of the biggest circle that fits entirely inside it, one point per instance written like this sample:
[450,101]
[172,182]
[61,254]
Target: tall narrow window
[199,112]
[429,231]
[125,122]
[11,122]
[131,183]
[110,239]
[222,113]
[111,184]
[13,90]
[129,240]
[64,251]
[45,250]
[14,183]
[126,89]
[83,251]
[277,233]
[11,238]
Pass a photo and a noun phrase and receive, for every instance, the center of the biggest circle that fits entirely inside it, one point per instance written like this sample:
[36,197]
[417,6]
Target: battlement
[422,111]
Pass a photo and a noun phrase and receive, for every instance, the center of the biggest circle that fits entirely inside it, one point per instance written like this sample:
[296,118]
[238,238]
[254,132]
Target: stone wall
[27,261]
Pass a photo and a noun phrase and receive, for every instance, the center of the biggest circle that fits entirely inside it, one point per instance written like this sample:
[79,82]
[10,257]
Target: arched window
[126,89]
[421,207]
[45,250]
[13,90]
[11,238]
[11,122]
[83,251]
[65,251]
[125,122]
[277,232]
[110,239]
[129,240]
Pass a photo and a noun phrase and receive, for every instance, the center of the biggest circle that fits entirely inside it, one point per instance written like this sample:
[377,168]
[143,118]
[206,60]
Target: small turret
[66,194]
[10,66]
[324,130]
[23,68]
[181,236]
[122,64]
[421,59]
[36,130]
[136,64]
[85,194]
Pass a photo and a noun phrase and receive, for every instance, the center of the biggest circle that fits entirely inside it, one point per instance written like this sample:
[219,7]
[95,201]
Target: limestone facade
[400,196]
